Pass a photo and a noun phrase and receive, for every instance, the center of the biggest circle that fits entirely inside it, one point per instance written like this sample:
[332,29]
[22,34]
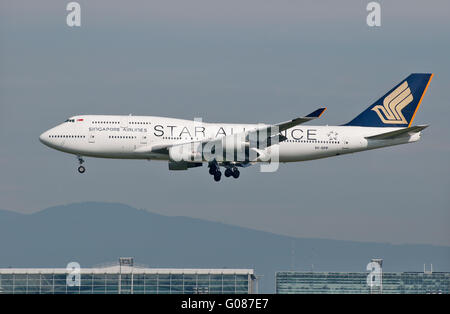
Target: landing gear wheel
[228,172]
[81,169]
[212,170]
[217,176]
[236,173]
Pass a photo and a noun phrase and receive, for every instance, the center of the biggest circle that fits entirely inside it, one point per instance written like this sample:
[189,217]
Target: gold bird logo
[393,104]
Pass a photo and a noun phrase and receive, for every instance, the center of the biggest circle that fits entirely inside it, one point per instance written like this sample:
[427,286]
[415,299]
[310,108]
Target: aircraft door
[92,134]
[345,143]
[124,122]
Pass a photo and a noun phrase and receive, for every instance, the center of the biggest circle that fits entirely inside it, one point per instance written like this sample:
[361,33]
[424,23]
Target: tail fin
[399,106]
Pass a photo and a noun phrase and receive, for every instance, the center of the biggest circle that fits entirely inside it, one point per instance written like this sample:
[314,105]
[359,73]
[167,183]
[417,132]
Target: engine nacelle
[189,152]
[183,165]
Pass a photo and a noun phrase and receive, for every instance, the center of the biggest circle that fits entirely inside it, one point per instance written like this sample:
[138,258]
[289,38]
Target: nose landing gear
[81,169]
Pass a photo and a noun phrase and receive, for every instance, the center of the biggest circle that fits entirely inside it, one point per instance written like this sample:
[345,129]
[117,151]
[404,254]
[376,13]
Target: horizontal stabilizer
[398,133]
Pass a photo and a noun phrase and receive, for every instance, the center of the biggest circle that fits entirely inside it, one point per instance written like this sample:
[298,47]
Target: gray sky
[231,61]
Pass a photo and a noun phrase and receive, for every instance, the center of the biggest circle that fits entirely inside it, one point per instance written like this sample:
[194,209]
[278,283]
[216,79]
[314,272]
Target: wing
[291,123]
[272,131]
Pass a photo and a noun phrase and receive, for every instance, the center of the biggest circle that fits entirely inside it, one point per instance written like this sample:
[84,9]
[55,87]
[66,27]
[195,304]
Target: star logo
[332,135]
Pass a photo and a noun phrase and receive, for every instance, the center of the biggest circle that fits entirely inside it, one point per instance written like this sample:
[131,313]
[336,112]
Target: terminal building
[126,278]
[356,283]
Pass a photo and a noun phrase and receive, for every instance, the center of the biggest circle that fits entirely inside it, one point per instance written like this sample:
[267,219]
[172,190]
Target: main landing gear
[232,171]
[214,170]
[81,169]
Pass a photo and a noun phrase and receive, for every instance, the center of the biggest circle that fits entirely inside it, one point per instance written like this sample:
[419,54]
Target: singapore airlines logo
[393,104]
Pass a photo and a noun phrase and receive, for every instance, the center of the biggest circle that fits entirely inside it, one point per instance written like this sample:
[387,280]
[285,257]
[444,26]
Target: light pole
[125,261]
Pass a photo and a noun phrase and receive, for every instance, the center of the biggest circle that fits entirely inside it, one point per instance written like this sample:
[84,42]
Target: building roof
[128,269]
[358,272]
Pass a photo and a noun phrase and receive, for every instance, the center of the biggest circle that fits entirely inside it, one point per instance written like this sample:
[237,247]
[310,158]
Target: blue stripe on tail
[397,107]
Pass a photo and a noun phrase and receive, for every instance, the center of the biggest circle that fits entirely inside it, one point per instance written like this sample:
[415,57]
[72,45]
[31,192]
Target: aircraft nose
[44,138]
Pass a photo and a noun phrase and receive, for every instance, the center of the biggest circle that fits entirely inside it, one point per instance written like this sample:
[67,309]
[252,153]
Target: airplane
[186,144]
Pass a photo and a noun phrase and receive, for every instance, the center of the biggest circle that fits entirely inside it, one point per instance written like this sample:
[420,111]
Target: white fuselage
[129,137]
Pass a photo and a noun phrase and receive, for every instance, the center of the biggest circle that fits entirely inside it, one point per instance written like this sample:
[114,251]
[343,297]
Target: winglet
[317,113]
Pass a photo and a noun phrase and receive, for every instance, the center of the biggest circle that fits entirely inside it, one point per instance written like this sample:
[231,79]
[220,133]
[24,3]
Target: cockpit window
[70,120]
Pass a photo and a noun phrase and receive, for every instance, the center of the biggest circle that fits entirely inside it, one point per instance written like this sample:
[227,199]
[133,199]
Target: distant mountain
[95,233]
